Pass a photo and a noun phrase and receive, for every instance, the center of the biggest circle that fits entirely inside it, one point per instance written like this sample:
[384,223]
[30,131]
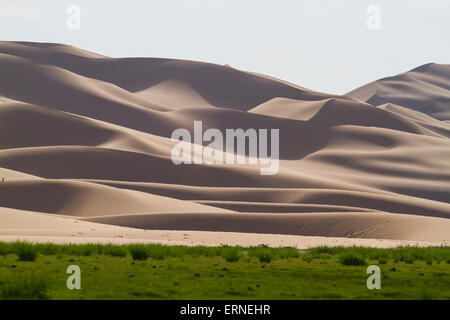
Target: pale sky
[323,45]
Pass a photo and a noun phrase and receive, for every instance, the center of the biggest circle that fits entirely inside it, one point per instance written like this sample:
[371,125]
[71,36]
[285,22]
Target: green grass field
[176,272]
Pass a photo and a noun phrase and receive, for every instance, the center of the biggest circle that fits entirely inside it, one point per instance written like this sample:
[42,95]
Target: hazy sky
[318,44]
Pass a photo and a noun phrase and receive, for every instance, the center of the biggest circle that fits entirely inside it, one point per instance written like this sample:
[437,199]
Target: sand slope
[425,89]
[87,137]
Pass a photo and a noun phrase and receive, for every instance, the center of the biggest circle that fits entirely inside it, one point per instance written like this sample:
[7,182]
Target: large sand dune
[425,89]
[85,144]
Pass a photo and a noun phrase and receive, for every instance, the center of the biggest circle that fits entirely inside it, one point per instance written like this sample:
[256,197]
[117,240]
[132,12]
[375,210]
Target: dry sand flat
[85,145]
[43,228]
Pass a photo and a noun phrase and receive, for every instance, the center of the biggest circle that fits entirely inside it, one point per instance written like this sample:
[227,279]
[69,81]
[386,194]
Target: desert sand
[85,154]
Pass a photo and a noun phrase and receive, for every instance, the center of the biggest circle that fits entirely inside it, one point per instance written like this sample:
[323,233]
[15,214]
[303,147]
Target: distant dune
[86,138]
[425,89]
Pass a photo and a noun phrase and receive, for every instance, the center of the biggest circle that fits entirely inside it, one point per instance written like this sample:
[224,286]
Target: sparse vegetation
[153,271]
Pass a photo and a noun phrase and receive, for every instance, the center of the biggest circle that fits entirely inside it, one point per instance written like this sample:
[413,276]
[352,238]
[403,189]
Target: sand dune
[425,89]
[83,199]
[85,141]
[375,200]
[348,224]
[40,227]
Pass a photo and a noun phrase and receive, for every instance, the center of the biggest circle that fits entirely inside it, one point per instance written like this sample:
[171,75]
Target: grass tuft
[28,287]
[350,259]
[263,254]
[426,294]
[115,251]
[231,254]
[26,251]
[138,251]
